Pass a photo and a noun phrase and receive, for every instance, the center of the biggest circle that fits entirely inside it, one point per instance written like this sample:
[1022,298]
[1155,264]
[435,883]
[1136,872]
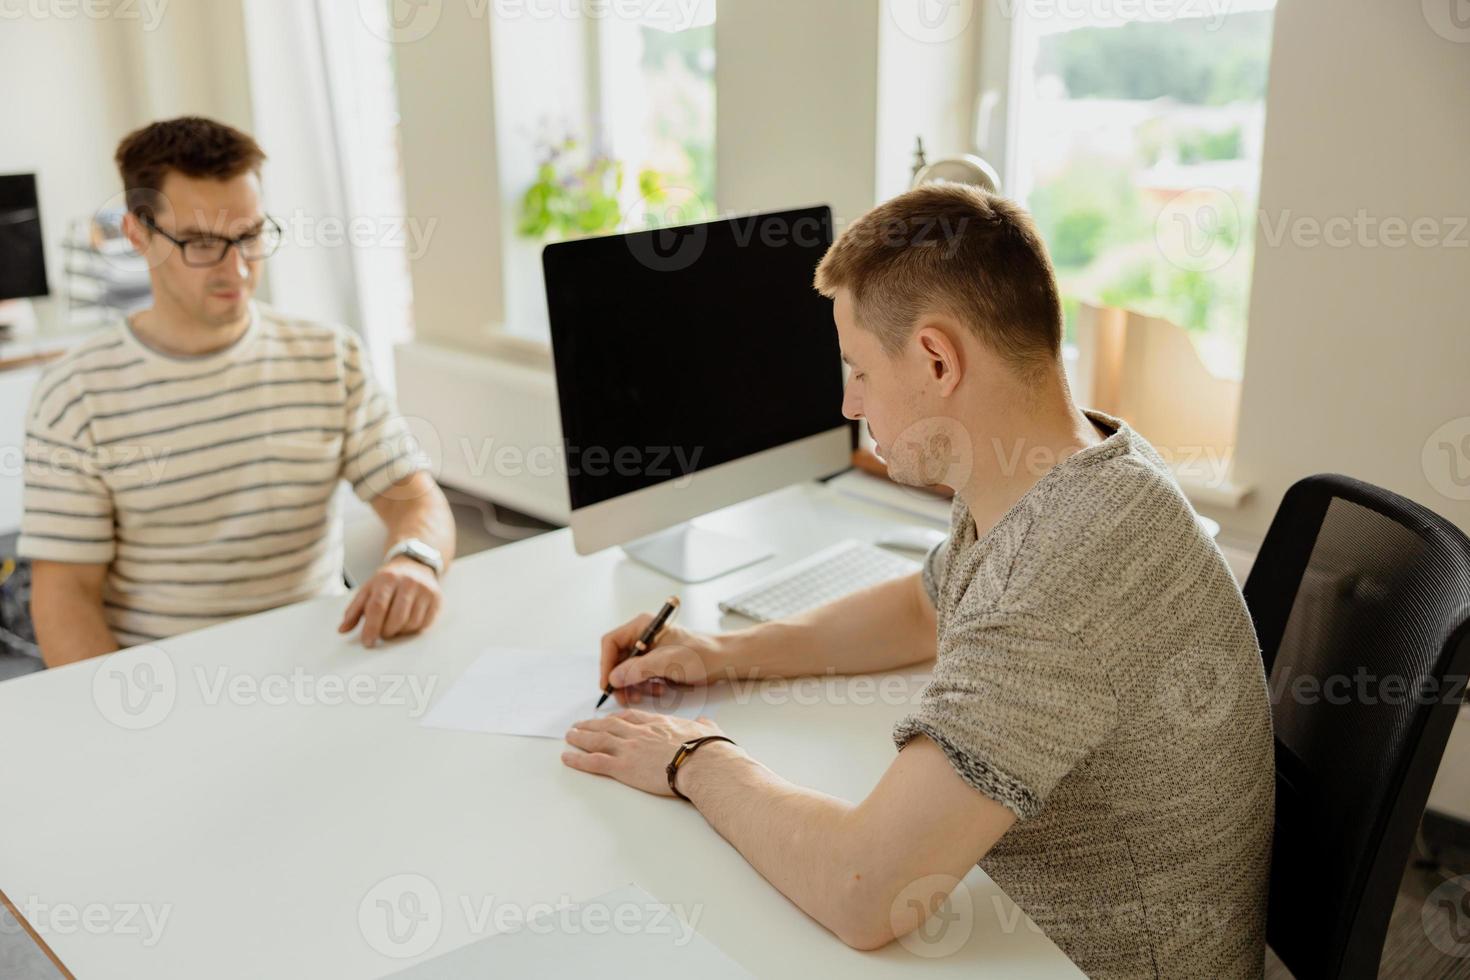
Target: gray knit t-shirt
[1098,675]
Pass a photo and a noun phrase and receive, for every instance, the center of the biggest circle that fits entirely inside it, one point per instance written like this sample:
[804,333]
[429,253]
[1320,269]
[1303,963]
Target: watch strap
[418,551]
[682,755]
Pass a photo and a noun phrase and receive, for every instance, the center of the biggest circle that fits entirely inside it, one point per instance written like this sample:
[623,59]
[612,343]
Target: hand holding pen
[644,643]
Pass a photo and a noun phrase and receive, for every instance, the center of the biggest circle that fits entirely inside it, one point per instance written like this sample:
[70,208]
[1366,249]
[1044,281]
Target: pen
[645,642]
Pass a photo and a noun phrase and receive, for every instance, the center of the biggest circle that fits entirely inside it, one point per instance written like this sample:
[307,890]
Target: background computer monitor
[22,252]
[696,367]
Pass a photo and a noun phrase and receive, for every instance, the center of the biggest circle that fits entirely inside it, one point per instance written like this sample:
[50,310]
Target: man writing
[182,465]
[1074,602]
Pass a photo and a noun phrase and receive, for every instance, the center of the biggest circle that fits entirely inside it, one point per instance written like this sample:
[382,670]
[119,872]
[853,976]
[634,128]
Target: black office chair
[1353,581]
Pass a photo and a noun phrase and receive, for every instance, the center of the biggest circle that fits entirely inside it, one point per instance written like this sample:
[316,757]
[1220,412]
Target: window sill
[527,351]
[1224,494]
[492,342]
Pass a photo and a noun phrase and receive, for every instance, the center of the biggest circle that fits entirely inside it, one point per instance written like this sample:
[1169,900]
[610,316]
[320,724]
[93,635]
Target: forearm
[882,628]
[869,871]
[70,627]
[810,846]
[416,508]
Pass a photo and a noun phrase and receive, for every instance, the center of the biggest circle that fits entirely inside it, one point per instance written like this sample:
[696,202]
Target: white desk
[260,829]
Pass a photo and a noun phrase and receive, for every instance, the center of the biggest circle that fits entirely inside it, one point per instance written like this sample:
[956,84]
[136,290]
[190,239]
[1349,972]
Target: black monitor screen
[680,349]
[22,256]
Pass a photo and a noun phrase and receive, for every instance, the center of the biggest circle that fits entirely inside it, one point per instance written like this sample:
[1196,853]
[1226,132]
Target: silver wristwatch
[419,551]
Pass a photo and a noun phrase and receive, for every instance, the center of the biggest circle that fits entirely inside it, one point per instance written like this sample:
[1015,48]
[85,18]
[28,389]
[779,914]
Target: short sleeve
[1016,704]
[932,573]
[67,505]
[378,449]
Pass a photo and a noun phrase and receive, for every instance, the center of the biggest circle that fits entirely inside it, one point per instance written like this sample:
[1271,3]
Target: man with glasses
[182,465]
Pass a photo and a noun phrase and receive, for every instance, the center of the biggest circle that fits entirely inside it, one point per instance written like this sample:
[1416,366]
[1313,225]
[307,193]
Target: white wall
[1357,355]
[68,98]
[927,85]
[191,62]
[78,84]
[451,175]
[796,91]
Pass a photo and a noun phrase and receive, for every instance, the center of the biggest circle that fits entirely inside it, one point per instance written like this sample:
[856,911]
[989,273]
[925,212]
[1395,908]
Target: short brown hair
[957,250]
[192,145]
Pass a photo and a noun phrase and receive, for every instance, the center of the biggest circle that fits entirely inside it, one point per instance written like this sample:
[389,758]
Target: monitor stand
[693,554]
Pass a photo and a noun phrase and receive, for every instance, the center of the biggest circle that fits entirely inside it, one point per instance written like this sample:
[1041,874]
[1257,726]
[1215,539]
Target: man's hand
[678,657]
[883,628]
[401,599]
[636,747]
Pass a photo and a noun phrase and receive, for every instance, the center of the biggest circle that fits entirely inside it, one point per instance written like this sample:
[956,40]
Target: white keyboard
[815,581]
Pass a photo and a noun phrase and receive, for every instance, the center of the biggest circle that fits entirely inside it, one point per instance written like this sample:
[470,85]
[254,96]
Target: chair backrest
[1361,601]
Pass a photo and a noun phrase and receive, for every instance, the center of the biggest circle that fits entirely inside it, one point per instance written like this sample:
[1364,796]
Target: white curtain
[325,113]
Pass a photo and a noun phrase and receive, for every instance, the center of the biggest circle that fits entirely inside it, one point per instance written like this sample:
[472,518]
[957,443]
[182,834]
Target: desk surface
[265,783]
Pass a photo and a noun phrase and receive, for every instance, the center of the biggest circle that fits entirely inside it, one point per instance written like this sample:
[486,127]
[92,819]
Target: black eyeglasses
[211,249]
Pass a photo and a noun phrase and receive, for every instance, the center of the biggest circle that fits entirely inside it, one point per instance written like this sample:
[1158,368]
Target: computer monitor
[22,253]
[696,367]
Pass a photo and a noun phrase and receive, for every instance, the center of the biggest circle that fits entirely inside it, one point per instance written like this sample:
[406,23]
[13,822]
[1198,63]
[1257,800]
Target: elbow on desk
[871,906]
[867,939]
[864,915]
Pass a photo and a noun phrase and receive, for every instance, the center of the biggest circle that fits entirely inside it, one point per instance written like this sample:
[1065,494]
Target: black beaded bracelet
[685,751]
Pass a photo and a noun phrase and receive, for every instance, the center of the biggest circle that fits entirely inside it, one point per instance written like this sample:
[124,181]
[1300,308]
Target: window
[1137,146]
[658,104]
[604,124]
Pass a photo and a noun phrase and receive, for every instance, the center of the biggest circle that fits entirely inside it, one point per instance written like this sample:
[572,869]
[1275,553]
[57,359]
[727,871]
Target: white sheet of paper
[509,691]
[625,932]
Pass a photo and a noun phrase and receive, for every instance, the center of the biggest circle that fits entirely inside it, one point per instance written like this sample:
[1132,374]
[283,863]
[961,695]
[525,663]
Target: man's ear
[941,354]
[133,230]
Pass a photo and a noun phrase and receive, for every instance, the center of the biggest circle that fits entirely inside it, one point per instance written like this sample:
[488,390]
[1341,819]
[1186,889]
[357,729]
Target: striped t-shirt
[206,484]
